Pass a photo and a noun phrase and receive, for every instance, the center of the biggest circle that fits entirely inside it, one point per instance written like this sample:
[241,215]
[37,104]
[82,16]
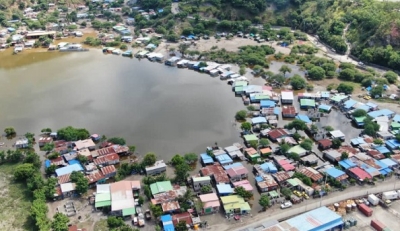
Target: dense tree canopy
[71,134]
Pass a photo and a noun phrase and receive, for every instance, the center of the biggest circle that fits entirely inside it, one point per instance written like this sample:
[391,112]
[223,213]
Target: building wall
[197,185]
[156,171]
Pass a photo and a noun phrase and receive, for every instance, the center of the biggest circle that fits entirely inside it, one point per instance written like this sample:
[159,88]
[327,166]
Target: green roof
[273,194]
[241,83]
[160,187]
[128,211]
[102,204]
[238,88]
[250,137]
[360,119]
[395,125]
[338,98]
[103,197]
[293,182]
[297,149]
[204,178]
[307,102]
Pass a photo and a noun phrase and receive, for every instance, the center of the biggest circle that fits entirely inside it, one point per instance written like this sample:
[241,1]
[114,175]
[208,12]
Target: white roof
[288,95]
[121,195]
[67,187]
[103,188]
[81,144]
[157,165]
[337,134]
[382,119]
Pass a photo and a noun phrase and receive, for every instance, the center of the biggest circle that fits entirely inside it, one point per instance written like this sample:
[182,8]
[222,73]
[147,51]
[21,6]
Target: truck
[147,214]
[377,225]
[373,200]
[141,221]
[390,195]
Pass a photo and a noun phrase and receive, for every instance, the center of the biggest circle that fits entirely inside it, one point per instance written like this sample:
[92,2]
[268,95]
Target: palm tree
[284,69]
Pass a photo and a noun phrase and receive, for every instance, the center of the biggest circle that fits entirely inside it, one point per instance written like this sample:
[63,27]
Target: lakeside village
[279,165]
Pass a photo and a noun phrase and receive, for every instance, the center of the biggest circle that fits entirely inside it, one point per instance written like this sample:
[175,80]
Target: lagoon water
[157,108]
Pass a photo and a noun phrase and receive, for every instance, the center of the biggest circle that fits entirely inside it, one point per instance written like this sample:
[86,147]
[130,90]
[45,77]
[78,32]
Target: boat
[73,48]
[127,54]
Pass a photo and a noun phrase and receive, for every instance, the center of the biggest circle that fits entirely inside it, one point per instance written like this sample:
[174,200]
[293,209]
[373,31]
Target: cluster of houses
[99,167]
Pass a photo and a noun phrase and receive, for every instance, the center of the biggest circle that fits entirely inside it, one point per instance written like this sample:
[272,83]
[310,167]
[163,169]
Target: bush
[241,115]
[123,47]
[345,88]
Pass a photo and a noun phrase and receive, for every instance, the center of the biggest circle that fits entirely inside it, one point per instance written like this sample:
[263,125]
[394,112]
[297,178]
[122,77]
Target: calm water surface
[157,108]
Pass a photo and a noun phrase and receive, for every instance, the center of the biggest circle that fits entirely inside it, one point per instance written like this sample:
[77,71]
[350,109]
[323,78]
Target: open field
[15,202]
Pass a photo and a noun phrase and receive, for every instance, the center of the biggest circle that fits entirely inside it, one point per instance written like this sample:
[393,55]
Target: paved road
[353,192]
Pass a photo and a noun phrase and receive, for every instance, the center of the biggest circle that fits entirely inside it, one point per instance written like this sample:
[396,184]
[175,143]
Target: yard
[16,202]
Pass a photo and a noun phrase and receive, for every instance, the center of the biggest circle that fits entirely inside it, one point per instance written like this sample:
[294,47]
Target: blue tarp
[267,103]
[349,103]
[303,118]
[47,163]
[334,172]
[206,159]
[259,178]
[71,162]
[346,164]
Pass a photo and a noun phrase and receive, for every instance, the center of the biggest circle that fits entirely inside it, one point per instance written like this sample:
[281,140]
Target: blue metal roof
[206,158]
[319,219]
[277,111]
[346,164]
[237,164]
[382,149]
[371,105]
[369,169]
[325,94]
[303,118]
[334,172]
[357,141]
[349,103]
[268,167]
[325,107]
[69,169]
[259,178]
[224,188]
[382,112]
[364,107]
[396,118]
[167,223]
[71,162]
[224,159]
[258,120]
[388,162]
[392,144]
[267,103]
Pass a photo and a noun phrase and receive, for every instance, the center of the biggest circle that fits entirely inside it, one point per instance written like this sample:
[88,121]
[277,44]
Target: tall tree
[285,69]
[149,159]
[264,201]
[60,222]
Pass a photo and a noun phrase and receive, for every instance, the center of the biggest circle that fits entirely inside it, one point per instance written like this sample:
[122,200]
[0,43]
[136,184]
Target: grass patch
[15,200]
[101,225]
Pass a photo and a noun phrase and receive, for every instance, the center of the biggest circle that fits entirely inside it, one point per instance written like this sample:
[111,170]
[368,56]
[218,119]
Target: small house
[107,159]
[324,144]
[235,204]
[216,172]
[337,174]
[167,223]
[234,152]
[266,183]
[82,144]
[224,189]
[244,184]
[108,171]
[224,159]
[258,120]
[69,169]
[307,103]
[359,121]
[289,111]
[158,168]
[206,159]
[267,104]
[312,173]
[252,154]
[210,203]
[67,189]
[337,134]
[172,61]
[199,182]
[298,150]
[170,207]
[359,174]
[324,108]
[265,151]
[303,118]
[278,133]
[287,97]
[160,187]
[22,143]
[392,144]
[182,63]
[237,173]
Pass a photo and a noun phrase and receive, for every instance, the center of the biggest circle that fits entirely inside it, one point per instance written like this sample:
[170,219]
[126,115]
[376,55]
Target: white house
[287,97]
[157,168]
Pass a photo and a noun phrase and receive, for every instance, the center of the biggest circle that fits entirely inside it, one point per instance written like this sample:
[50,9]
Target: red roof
[348,149]
[313,174]
[58,161]
[105,151]
[75,228]
[286,165]
[95,176]
[281,176]
[361,174]
[182,217]
[288,110]
[237,171]
[64,178]
[376,154]
[217,171]
[106,159]
[108,169]
[325,143]
[277,133]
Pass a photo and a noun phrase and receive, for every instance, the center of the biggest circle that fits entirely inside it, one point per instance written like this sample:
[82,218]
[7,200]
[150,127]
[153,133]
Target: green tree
[149,159]
[181,226]
[53,155]
[115,222]
[191,158]
[297,82]
[51,169]
[264,142]
[253,144]
[71,134]
[297,125]
[241,115]
[24,171]
[81,182]
[286,192]
[307,144]
[206,189]
[117,140]
[376,91]
[359,113]
[347,74]
[294,156]
[391,76]
[46,130]
[48,147]
[316,73]
[264,201]
[60,222]
[10,131]
[345,88]
[132,149]
[33,158]
[246,126]
[328,128]
[182,48]
[156,210]
[285,69]
[296,136]
[182,172]
[177,160]
[379,141]
[82,159]
[336,143]
[284,148]
[140,200]
[243,193]
[344,156]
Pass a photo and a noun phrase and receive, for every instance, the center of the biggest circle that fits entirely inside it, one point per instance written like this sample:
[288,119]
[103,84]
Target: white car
[286,205]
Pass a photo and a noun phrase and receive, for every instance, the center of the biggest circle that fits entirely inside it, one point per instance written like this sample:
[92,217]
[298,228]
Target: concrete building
[210,203]
[199,182]
[235,204]
[287,97]
[158,168]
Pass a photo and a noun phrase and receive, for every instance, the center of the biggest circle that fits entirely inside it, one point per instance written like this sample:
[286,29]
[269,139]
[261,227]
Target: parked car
[286,205]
